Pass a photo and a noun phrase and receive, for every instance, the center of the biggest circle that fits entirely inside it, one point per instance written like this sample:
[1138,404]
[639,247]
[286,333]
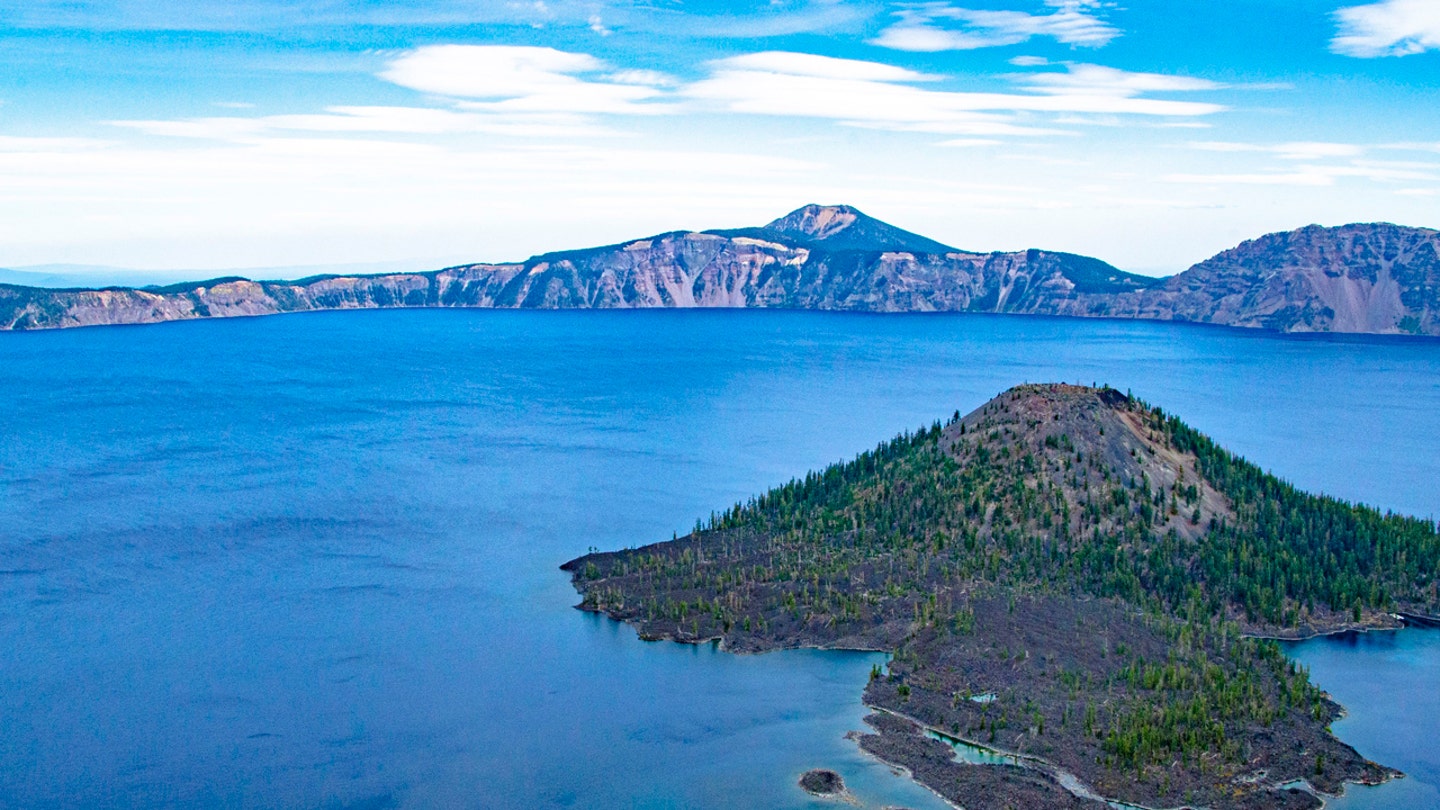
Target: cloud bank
[931,27]
[1389,28]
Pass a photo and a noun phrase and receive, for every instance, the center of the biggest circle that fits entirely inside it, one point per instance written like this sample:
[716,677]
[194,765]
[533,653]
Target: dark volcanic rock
[932,763]
[822,782]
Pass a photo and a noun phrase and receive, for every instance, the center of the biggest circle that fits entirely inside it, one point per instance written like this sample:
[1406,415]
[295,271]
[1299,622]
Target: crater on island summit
[1101,572]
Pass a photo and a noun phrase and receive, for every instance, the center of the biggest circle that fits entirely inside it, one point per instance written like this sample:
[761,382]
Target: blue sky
[1151,134]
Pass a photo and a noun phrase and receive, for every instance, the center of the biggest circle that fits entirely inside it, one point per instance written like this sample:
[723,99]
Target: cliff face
[814,258]
[34,308]
[1365,278]
[762,268]
[1355,278]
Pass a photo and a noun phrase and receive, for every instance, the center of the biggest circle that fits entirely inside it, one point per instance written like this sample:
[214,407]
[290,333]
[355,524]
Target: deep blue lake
[311,560]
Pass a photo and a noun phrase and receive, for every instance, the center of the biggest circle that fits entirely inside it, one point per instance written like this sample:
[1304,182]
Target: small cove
[1387,681]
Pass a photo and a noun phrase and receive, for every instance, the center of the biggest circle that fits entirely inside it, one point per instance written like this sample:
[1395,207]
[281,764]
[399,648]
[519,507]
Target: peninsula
[1066,574]
[1376,278]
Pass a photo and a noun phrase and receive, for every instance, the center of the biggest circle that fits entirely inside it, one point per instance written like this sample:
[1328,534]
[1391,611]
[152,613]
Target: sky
[1149,133]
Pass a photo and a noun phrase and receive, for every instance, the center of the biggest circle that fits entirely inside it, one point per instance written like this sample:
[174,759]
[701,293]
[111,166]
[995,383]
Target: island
[1068,576]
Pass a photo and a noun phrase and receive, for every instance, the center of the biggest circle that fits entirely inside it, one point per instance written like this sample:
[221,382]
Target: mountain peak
[817,221]
[843,227]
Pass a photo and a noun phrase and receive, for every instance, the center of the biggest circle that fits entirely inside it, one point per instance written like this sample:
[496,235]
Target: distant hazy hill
[1362,278]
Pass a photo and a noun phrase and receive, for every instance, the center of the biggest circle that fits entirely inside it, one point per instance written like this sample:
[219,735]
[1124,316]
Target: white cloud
[1107,81]
[518,78]
[969,143]
[651,78]
[284,15]
[1388,28]
[391,120]
[529,92]
[1302,178]
[513,91]
[859,102]
[19,144]
[825,67]
[1317,175]
[1309,163]
[933,27]
[1297,150]
[1413,147]
[775,19]
[882,96]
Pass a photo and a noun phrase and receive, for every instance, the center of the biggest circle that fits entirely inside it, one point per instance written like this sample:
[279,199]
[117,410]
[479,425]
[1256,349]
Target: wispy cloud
[259,15]
[1414,146]
[524,79]
[876,95]
[374,120]
[1388,28]
[1297,178]
[1312,163]
[1107,81]
[930,27]
[536,92]
[1311,171]
[513,91]
[20,144]
[1294,150]
[600,17]
[778,18]
[822,67]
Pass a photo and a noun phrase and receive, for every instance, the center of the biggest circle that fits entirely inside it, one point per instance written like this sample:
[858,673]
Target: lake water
[310,560]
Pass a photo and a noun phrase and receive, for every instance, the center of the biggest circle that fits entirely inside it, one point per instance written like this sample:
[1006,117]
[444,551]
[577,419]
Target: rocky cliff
[1370,278]
[1356,278]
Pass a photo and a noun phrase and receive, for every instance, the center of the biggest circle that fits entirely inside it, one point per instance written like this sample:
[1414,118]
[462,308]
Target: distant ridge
[1376,278]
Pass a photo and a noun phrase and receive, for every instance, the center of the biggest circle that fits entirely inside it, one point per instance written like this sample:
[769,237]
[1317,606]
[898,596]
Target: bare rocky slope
[1378,277]
[1358,278]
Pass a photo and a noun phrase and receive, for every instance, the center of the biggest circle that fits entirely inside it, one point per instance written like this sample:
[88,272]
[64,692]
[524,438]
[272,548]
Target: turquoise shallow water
[1389,683]
[310,561]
